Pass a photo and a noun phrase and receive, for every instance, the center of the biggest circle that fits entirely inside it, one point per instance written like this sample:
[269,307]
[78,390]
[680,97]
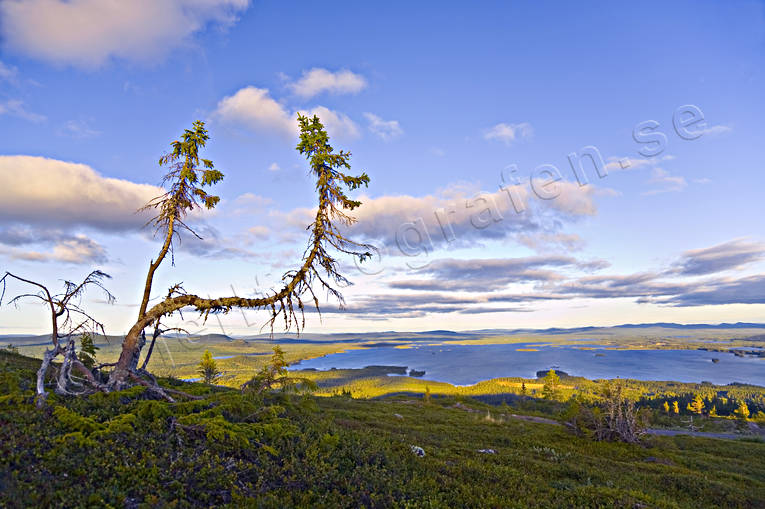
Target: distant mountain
[44,339]
[291,337]
[206,338]
[737,325]
[664,325]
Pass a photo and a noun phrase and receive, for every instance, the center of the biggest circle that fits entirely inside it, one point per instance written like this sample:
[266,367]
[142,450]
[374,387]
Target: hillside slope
[127,450]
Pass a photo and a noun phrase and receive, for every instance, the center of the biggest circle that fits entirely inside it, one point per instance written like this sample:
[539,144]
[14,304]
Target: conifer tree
[275,375]
[187,177]
[189,173]
[697,405]
[87,354]
[208,368]
[742,412]
[551,384]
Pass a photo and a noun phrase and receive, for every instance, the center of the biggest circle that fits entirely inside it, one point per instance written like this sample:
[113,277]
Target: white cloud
[542,242]
[316,81]
[632,163]
[87,33]
[77,249]
[79,129]
[274,167]
[663,181]
[714,130]
[255,109]
[252,199]
[626,163]
[8,73]
[15,108]
[337,124]
[508,133]
[456,215]
[42,191]
[250,203]
[385,129]
[260,232]
[667,183]
[730,255]
[212,243]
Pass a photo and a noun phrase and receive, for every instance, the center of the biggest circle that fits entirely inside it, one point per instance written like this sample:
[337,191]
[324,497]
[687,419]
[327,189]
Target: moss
[76,422]
[79,439]
[10,382]
[124,423]
[152,410]
[219,431]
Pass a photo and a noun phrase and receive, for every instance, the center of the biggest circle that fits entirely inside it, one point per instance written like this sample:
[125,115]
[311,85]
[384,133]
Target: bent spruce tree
[186,179]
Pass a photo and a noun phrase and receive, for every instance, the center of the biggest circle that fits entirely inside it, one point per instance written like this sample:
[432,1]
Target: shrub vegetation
[280,449]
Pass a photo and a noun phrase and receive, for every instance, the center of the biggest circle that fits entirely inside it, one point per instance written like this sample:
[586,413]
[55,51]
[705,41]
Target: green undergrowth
[126,449]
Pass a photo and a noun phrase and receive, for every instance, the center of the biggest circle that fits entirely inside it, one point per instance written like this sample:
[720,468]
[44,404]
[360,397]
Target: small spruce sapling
[551,384]
[88,348]
[697,405]
[208,368]
[742,412]
[275,375]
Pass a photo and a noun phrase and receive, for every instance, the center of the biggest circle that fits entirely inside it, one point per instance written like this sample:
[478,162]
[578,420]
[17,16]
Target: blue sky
[435,101]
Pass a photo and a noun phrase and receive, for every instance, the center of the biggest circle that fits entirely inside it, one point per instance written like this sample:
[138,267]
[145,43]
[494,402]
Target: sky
[532,165]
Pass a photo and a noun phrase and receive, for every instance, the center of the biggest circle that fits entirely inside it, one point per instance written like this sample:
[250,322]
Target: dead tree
[68,321]
[187,176]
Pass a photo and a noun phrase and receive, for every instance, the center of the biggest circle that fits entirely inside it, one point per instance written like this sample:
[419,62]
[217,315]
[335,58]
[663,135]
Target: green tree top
[275,375]
[185,177]
[208,368]
[328,168]
[184,181]
[318,270]
[697,405]
[88,348]
[742,412]
[551,384]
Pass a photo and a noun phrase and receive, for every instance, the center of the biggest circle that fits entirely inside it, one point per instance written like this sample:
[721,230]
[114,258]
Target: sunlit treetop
[187,176]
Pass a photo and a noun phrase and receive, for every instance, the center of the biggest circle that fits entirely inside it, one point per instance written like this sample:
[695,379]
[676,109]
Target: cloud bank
[455,216]
[43,191]
[87,33]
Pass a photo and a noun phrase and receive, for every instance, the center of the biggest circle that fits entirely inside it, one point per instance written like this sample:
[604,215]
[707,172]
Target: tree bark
[48,357]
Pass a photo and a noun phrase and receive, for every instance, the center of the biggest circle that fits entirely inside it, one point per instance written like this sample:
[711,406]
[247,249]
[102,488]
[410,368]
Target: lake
[469,364]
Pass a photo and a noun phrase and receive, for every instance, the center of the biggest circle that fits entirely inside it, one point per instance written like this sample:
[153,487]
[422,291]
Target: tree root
[66,384]
[163,392]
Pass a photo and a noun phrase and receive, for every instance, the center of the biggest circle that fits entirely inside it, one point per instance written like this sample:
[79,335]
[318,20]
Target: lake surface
[469,364]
